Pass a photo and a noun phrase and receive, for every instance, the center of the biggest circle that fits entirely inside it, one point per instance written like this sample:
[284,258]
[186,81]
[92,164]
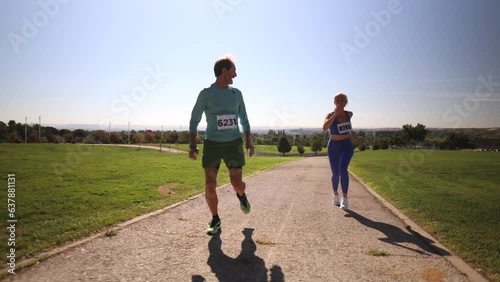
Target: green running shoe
[214,227]
[244,203]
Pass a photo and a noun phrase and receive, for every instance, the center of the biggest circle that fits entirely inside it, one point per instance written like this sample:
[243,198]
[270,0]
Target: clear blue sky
[144,62]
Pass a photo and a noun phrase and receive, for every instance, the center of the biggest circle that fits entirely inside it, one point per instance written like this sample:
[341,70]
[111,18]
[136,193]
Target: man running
[223,106]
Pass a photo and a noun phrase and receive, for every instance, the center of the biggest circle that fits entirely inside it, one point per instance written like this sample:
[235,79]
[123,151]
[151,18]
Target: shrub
[362,147]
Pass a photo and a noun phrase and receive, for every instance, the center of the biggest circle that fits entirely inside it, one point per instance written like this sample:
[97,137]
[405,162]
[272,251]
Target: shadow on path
[396,236]
[245,267]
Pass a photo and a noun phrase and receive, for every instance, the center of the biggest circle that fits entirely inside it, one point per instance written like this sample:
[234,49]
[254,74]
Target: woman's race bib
[344,127]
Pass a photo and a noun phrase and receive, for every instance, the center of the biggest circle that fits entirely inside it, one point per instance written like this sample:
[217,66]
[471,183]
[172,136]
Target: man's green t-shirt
[223,108]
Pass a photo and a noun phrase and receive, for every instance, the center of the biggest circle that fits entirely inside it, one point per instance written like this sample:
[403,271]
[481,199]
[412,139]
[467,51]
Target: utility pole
[39,128]
[161,137]
[128,142]
[25,129]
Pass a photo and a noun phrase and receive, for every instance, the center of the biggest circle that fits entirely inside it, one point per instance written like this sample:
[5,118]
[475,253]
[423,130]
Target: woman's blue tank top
[341,128]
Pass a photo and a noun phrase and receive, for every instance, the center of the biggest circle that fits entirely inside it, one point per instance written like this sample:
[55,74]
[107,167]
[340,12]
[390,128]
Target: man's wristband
[192,146]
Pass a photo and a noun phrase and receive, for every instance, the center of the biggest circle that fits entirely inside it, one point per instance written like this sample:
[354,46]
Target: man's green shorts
[231,152]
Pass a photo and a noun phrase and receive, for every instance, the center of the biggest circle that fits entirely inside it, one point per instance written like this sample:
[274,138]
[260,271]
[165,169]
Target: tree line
[408,137]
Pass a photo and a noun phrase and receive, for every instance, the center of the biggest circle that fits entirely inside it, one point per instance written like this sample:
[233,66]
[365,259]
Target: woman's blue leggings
[340,155]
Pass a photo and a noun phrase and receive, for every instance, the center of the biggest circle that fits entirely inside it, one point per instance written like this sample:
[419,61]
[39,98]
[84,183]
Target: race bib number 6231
[227,122]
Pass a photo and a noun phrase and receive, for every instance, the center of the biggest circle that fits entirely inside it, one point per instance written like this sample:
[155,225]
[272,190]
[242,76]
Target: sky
[110,63]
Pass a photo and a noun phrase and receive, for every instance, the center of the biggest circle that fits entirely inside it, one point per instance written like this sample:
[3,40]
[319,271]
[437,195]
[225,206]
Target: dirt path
[163,148]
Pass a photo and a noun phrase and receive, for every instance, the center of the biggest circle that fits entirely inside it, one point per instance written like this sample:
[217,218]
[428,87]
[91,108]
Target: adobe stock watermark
[372,29]
[11,222]
[223,6]
[73,159]
[484,89]
[31,26]
[138,94]
[281,118]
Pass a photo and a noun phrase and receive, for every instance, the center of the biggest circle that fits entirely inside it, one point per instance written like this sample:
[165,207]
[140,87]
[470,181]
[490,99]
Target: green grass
[65,192]
[258,148]
[274,149]
[377,253]
[111,233]
[454,195]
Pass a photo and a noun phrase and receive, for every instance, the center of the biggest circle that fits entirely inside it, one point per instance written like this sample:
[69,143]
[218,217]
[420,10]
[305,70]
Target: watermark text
[11,222]
[30,27]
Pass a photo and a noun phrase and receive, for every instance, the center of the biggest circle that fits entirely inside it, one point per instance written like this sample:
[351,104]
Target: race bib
[227,122]
[344,127]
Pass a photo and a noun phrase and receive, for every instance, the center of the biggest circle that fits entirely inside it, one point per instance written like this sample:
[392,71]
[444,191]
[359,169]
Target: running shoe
[345,204]
[244,203]
[214,227]
[336,200]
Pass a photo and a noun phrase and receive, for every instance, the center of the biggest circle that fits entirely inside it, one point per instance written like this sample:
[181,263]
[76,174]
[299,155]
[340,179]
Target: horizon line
[174,127]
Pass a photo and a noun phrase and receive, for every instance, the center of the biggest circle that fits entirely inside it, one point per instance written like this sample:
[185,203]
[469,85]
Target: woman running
[340,149]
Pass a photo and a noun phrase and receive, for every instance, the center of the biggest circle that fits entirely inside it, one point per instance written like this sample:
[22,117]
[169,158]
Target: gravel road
[293,233]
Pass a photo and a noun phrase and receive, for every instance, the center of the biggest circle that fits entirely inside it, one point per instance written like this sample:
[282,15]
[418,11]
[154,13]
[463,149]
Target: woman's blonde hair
[340,94]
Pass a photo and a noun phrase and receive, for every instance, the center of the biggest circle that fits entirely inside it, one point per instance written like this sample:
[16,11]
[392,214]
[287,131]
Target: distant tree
[138,138]
[52,138]
[80,134]
[3,131]
[50,130]
[283,145]
[420,132]
[32,138]
[63,132]
[316,143]
[316,146]
[149,136]
[362,147]
[383,143]
[300,149]
[14,137]
[20,129]
[99,136]
[116,138]
[397,140]
[171,137]
[258,140]
[457,141]
[69,138]
[275,139]
[415,134]
[12,125]
[183,137]
[296,140]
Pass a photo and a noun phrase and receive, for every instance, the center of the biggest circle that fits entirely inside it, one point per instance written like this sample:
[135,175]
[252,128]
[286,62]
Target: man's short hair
[223,63]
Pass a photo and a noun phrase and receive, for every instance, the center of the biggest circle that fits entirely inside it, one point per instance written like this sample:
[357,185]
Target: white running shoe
[345,204]
[336,200]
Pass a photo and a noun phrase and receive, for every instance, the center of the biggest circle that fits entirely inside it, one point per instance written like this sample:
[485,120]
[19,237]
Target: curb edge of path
[456,261]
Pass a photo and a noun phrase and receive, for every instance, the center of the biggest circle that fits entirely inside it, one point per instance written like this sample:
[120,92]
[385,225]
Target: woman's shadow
[246,267]
[396,236]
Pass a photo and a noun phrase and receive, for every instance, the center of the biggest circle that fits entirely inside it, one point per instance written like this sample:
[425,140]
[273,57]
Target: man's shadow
[396,236]
[246,267]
